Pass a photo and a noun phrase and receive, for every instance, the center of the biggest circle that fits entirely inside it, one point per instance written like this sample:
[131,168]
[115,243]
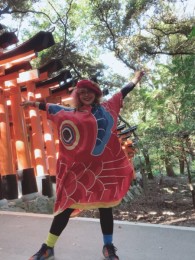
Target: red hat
[85,83]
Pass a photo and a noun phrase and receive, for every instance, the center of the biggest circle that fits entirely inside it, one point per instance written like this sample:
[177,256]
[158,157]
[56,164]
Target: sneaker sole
[107,258]
[50,258]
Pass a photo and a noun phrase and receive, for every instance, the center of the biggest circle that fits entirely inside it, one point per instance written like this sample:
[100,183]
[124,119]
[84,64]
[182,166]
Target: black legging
[61,220]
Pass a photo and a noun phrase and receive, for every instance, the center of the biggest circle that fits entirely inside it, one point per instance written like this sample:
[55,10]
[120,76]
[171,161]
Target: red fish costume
[92,169]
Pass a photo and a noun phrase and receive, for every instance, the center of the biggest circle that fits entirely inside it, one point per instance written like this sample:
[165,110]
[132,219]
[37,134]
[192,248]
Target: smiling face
[86,96]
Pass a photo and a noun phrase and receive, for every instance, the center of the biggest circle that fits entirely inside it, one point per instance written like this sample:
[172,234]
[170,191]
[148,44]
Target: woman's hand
[137,76]
[28,104]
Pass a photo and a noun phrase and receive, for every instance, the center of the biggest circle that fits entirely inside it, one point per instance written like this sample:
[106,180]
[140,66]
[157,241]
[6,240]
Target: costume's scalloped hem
[78,207]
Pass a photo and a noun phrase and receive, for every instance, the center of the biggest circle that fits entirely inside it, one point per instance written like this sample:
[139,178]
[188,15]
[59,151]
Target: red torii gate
[14,144]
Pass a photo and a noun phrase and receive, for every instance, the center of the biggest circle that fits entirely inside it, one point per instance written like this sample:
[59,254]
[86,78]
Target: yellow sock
[51,240]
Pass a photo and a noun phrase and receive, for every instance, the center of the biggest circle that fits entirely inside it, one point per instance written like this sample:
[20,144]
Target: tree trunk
[145,181]
[191,148]
[190,183]
[148,165]
[169,168]
[181,166]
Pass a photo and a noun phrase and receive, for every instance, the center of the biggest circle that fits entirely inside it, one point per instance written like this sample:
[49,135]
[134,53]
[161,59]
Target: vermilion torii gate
[16,153]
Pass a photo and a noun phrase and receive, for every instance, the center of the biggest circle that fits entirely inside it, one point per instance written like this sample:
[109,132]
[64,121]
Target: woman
[92,169]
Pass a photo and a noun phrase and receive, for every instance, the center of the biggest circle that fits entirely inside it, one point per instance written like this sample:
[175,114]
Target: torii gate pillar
[9,178]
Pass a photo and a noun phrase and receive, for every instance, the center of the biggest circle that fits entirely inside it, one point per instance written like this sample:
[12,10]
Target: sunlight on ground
[168,190]
[125,213]
[152,213]
[169,213]
[184,191]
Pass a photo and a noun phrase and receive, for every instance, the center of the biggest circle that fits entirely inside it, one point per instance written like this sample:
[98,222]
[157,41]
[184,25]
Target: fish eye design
[69,134]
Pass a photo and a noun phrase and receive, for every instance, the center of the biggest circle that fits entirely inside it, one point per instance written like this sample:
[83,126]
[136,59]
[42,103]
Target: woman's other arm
[130,86]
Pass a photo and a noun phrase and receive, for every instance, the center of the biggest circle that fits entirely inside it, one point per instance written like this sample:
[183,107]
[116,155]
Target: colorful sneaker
[109,252]
[44,253]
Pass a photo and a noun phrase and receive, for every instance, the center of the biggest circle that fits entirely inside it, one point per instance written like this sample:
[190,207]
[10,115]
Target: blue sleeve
[54,108]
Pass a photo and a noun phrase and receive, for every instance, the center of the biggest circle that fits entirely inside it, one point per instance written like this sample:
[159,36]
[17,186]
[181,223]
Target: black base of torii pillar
[1,188]
[27,183]
[3,201]
[47,189]
[9,186]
